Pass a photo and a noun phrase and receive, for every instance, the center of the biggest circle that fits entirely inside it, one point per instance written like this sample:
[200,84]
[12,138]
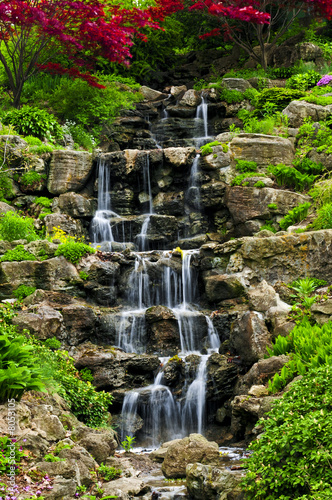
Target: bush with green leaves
[207,148]
[109,473]
[291,460]
[80,136]
[30,120]
[6,454]
[239,179]
[53,343]
[31,179]
[307,166]
[312,136]
[259,184]
[279,97]
[52,458]
[6,187]
[128,443]
[321,100]
[73,251]
[303,81]
[290,177]
[295,215]
[231,96]
[43,201]
[18,254]
[19,370]
[324,218]
[245,166]
[23,291]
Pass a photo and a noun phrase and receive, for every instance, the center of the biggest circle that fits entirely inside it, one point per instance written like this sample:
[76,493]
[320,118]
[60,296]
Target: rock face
[263,149]
[298,111]
[194,448]
[69,171]
[206,481]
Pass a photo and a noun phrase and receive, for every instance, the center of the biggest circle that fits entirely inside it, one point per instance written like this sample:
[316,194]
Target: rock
[263,371]
[190,98]
[212,195]
[263,149]
[262,297]
[221,378]
[298,111]
[247,203]
[35,443]
[68,171]
[249,337]
[45,323]
[131,486]
[210,483]
[236,84]
[151,94]
[322,311]
[42,248]
[216,160]
[179,157]
[4,208]
[258,391]
[192,242]
[223,286]
[80,323]
[175,91]
[51,274]
[68,469]
[70,226]
[251,181]
[169,203]
[246,410]
[194,448]
[63,489]
[100,445]
[75,205]
[84,461]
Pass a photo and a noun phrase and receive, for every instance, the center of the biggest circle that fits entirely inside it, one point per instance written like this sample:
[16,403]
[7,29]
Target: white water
[142,239]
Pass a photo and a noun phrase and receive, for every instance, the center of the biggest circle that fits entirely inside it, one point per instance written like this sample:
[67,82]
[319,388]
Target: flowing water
[155,280]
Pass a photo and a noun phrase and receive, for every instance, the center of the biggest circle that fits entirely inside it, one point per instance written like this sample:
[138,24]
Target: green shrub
[128,443]
[52,343]
[278,96]
[268,226]
[259,184]
[291,177]
[280,72]
[33,121]
[320,99]
[307,166]
[6,445]
[6,187]
[31,179]
[108,473]
[14,227]
[18,254]
[86,375]
[231,96]
[303,81]
[33,141]
[18,371]
[52,458]
[324,218]
[272,206]
[292,458]
[40,150]
[79,135]
[23,290]
[250,94]
[43,201]
[246,166]
[295,215]
[73,251]
[238,180]
[207,148]
[83,275]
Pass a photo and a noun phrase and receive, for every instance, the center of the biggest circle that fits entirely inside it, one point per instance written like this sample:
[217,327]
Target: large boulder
[69,225]
[263,149]
[179,157]
[44,323]
[52,274]
[132,486]
[80,323]
[220,287]
[190,98]
[238,84]
[211,483]
[75,205]
[169,203]
[163,329]
[247,203]
[262,371]
[249,337]
[69,171]
[262,297]
[100,444]
[194,448]
[298,111]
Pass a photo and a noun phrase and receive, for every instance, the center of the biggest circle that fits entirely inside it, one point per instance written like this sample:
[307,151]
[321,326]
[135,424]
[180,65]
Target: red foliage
[82,30]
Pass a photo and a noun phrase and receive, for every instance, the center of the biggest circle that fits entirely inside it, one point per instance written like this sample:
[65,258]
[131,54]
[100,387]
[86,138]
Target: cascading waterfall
[165,415]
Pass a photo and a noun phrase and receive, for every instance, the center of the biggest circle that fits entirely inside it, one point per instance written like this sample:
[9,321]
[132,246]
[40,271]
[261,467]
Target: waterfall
[101,227]
[142,237]
[193,192]
[193,410]
[202,113]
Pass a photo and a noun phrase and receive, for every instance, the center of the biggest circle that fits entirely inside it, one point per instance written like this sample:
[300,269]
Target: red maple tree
[36,34]
[247,22]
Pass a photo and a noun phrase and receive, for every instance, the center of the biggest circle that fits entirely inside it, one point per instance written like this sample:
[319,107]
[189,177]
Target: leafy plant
[6,187]
[272,206]
[9,450]
[83,275]
[306,286]
[23,291]
[303,81]
[207,148]
[74,251]
[259,184]
[268,227]
[231,96]
[31,179]
[30,120]
[16,227]
[246,166]
[108,473]
[238,180]
[317,99]
[295,215]
[128,443]
[86,375]
[18,368]
[292,458]
[324,218]
[52,458]
[18,254]
[52,343]
[280,97]
[291,177]
[43,201]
